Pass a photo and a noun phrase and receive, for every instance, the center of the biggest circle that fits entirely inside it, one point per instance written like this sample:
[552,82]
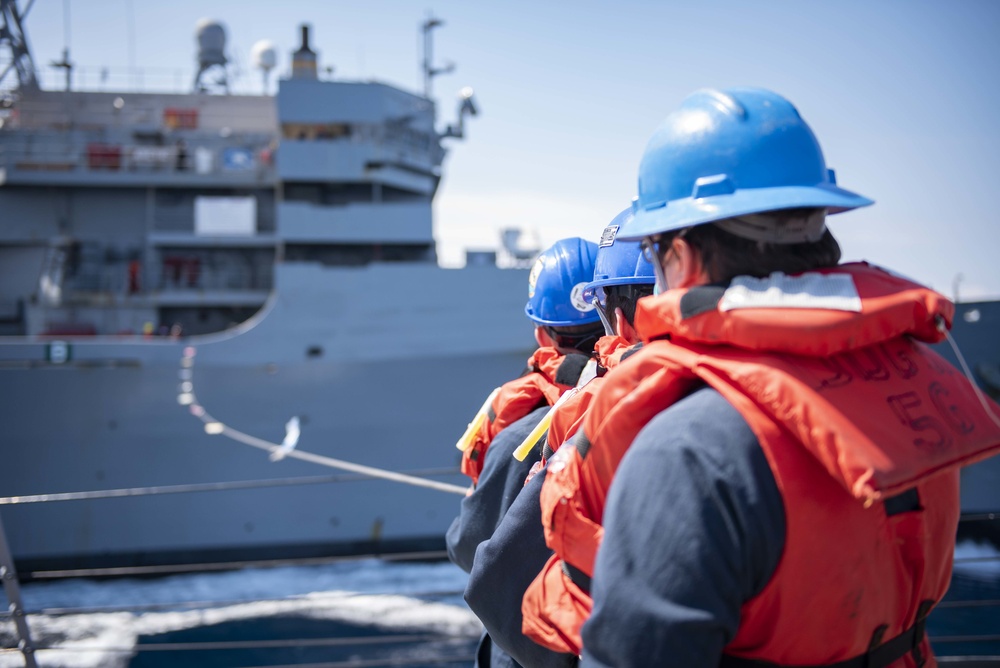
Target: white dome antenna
[265,57]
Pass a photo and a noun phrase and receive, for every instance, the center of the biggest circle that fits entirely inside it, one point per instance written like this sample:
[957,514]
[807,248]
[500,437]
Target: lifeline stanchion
[9,576]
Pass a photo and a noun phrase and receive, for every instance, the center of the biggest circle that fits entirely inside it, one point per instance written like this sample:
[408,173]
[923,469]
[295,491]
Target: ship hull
[109,418]
[974,331]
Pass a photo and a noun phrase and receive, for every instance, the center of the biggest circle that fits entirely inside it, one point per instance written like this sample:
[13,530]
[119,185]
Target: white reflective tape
[588,374]
[835,292]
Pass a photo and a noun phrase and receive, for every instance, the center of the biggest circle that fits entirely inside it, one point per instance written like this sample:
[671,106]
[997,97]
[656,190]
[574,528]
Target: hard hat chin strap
[778,227]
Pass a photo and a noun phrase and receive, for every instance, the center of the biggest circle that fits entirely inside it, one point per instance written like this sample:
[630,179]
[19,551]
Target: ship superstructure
[289,241]
[167,212]
[131,213]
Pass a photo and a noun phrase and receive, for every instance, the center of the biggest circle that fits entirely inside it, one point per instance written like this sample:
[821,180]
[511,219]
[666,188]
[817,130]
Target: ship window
[304,192]
[148,138]
[170,197]
[338,194]
[390,194]
[316,131]
[358,254]
[345,193]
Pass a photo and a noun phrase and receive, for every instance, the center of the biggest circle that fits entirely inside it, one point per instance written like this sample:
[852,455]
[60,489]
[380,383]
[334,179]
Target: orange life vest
[542,383]
[568,416]
[849,409]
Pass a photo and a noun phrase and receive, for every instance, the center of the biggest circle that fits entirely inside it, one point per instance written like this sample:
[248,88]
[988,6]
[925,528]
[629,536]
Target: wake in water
[409,613]
[366,611]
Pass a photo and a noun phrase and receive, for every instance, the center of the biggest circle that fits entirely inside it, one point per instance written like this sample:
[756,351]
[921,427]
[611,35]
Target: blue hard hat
[556,282]
[619,262]
[732,153]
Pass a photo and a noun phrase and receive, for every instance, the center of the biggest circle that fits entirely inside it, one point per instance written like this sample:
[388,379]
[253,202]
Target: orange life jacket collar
[893,307]
[609,350]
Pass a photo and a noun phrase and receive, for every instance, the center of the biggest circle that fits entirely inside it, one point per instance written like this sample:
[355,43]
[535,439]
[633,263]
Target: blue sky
[903,95]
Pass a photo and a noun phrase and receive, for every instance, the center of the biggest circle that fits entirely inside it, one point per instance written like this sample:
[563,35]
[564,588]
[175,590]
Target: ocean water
[359,613]
[967,621]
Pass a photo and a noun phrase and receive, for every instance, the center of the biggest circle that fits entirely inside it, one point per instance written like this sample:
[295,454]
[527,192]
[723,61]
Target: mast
[12,35]
[428,68]
[466,103]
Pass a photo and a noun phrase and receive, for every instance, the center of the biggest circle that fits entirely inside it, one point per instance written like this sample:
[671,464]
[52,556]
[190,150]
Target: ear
[623,329]
[543,339]
[687,269]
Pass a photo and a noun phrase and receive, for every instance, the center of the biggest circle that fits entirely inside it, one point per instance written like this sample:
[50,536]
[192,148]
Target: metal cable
[375,663]
[204,605]
[980,638]
[168,569]
[971,603]
[254,644]
[974,560]
[983,400]
[213,426]
[203,487]
[335,463]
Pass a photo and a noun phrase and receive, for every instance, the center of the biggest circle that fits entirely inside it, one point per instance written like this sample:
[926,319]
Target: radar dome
[211,35]
[264,54]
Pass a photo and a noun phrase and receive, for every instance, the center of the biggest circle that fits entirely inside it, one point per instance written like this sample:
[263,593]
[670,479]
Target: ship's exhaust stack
[304,60]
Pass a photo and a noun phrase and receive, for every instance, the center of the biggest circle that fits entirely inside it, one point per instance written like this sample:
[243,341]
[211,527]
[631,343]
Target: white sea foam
[977,560]
[391,596]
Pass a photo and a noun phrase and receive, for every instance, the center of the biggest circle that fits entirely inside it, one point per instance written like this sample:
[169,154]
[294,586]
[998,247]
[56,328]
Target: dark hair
[577,337]
[726,255]
[625,298]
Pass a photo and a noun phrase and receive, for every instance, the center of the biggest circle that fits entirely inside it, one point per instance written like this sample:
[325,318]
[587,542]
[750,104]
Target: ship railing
[194,157]
[134,116]
[452,646]
[458,646]
[173,80]
[415,150]
[191,271]
[173,273]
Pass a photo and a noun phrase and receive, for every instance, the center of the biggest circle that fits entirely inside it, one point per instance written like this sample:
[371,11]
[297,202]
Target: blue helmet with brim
[731,153]
[619,262]
[556,282]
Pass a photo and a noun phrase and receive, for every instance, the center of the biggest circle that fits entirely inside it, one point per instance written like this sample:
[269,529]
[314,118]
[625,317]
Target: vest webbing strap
[881,656]
[579,578]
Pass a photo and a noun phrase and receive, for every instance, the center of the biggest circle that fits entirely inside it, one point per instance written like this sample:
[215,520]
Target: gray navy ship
[287,242]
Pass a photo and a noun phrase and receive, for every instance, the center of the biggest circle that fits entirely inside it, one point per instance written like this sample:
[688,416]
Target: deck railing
[450,649]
